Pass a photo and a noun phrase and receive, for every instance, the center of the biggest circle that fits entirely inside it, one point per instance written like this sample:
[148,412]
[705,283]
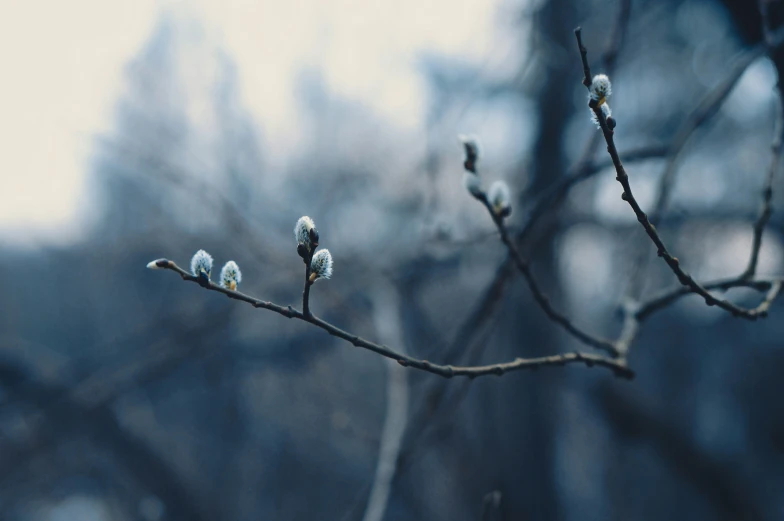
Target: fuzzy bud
[321,265]
[472,183]
[607,115]
[600,88]
[306,234]
[230,275]
[500,198]
[471,147]
[201,265]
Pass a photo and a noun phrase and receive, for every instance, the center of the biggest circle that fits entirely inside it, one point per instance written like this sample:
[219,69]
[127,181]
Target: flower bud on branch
[600,88]
[321,266]
[201,266]
[598,92]
[472,183]
[471,179]
[471,150]
[230,276]
[607,116]
[500,198]
[307,236]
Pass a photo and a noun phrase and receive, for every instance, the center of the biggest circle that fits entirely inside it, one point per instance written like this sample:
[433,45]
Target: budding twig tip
[154,265]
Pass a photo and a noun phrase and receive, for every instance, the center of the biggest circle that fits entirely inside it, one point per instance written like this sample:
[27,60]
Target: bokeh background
[136,130]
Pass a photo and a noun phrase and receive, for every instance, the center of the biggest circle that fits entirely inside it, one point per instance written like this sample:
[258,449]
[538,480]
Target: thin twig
[585,168]
[581,172]
[635,313]
[306,289]
[667,297]
[707,107]
[683,277]
[775,161]
[447,371]
[542,299]
[767,195]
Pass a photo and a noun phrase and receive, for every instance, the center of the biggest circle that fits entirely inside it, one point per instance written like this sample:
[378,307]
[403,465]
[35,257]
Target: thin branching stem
[543,300]
[667,297]
[306,288]
[767,192]
[620,369]
[627,195]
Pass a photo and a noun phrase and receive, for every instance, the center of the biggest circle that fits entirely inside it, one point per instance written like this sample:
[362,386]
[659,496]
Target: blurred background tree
[130,396]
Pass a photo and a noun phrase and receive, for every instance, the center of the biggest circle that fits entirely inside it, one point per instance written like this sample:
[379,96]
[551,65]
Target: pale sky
[63,69]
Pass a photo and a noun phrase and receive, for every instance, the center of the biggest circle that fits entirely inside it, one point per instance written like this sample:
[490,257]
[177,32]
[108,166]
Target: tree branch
[619,368]
[666,297]
[580,172]
[683,277]
[539,296]
[306,289]
[775,160]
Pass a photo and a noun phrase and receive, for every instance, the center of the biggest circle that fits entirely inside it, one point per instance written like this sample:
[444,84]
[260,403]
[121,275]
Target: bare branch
[775,161]
[683,277]
[667,297]
[306,289]
[587,78]
[447,371]
[579,173]
[584,168]
[539,296]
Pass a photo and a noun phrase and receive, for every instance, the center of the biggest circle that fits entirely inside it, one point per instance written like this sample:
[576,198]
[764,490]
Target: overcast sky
[63,69]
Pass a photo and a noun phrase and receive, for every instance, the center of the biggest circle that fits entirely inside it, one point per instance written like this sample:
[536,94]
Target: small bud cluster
[230,275]
[472,183]
[599,91]
[321,265]
[201,268]
[201,265]
[498,195]
[307,238]
[471,146]
[500,198]
[600,88]
[607,115]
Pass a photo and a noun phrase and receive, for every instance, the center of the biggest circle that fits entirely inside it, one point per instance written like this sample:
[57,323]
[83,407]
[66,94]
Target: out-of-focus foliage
[128,395]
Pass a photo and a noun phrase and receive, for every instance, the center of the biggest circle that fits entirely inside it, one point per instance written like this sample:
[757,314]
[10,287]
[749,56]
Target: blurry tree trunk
[388,323]
[531,412]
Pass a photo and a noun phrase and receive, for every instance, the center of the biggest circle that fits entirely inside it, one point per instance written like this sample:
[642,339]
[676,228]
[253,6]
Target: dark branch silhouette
[447,371]
[622,177]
